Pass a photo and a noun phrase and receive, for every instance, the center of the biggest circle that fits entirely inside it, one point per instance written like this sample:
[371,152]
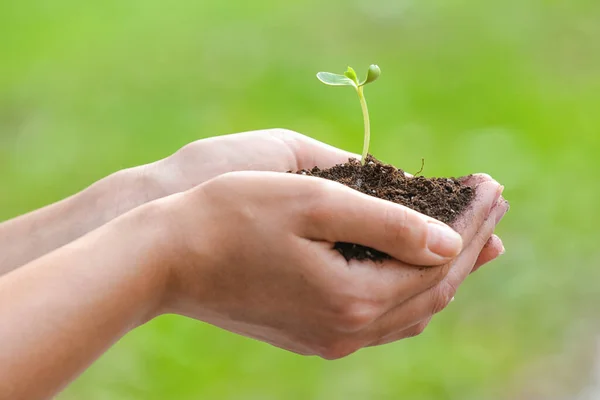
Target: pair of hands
[251,251]
[218,233]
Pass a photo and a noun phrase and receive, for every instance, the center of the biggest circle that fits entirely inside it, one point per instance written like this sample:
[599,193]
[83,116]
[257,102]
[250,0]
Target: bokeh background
[508,87]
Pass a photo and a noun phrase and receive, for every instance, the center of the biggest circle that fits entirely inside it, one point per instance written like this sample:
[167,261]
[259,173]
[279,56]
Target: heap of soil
[441,198]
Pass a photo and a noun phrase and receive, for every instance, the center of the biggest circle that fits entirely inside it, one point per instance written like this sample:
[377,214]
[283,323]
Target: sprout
[350,79]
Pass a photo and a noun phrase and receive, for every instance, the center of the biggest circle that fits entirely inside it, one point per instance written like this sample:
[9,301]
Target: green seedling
[350,79]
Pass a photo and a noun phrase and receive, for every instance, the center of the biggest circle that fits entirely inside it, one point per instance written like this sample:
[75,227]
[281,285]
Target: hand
[277,150]
[35,234]
[252,253]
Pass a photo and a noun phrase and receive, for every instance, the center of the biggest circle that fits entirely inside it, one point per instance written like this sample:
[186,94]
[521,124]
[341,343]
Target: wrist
[144,256]
[179,172]
[123,191]
[187,250]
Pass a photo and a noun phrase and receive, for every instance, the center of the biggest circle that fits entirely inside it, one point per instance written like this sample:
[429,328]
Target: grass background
[510,88]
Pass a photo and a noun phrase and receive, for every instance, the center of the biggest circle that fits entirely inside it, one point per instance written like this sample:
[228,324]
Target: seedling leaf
[351,74]
[372,74]
[335,80]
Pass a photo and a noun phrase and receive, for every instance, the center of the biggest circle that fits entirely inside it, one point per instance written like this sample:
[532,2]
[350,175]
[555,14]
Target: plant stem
[365,111]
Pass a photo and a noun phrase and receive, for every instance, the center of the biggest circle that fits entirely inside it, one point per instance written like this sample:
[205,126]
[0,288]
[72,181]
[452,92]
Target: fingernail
[443,240]
[502,251]
[452,299]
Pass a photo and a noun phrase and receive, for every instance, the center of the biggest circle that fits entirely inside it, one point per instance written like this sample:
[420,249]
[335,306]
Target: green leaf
[334,79]
[351,74]
[372,74]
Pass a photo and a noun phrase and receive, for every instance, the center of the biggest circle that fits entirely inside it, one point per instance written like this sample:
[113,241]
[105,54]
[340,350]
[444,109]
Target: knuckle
[417,329]
[441,297]
[433,275]
[188,150]
[221,180]
[356,316]
[213,188]
[282,133]
[482,238]
[396,226]
[441,272]
[317,191]
[219,188]
[338,348]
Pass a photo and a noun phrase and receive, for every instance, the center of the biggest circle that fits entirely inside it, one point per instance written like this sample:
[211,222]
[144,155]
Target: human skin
[250,252]
[30,236]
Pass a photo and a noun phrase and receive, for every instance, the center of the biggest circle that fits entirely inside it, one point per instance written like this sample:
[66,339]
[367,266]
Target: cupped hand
[252,252]
[278,150]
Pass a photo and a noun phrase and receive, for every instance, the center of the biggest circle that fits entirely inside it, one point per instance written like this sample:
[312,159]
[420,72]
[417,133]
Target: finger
[494,246]
[434,300]
[392,282]
[340,214]
[492,250]
[460,270]
[486,196]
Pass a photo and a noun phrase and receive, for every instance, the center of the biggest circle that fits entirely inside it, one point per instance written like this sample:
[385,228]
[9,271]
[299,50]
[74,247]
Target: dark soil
[441,198]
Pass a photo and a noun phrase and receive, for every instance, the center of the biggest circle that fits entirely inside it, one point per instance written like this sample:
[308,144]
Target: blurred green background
[511,88]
